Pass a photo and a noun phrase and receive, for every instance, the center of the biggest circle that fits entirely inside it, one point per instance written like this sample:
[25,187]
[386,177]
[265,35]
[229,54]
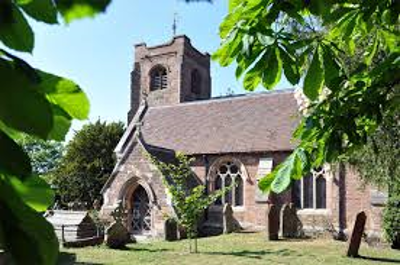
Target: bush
[391,221]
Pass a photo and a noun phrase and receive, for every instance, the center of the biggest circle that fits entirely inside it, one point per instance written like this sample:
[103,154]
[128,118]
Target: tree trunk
[195,243]
[190,241]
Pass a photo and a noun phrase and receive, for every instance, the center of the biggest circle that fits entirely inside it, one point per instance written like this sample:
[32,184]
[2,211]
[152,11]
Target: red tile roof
[251,123]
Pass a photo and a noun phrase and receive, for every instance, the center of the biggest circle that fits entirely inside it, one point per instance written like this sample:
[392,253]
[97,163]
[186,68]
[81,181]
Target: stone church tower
[169,74]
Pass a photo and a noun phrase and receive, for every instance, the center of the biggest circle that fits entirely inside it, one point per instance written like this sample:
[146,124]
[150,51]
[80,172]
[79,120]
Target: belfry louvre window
[195,82]
[227,174]
[158,78]
[310,191]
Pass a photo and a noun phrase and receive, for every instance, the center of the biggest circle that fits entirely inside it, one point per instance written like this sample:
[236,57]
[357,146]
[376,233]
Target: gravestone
[116,235]
[228,222]
[171,230]
[356,235]
[291,225]
[273,217]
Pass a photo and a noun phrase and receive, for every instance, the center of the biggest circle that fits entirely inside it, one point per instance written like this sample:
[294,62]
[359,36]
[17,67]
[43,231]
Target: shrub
[391,221]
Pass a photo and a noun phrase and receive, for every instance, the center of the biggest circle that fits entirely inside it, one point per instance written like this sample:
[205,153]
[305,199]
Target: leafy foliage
[38,104]
[378,164]
[45,155]
[312,41]
[391,220]
[88,162]
[189,201]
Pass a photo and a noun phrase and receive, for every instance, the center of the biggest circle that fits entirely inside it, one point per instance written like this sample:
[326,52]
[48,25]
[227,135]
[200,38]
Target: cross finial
[174,24]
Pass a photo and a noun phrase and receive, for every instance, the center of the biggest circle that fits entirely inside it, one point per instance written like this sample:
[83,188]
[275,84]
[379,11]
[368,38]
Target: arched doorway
[140,212]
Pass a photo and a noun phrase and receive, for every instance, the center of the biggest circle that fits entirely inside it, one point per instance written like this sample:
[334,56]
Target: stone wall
[252,213]
[137,170]
[345,194]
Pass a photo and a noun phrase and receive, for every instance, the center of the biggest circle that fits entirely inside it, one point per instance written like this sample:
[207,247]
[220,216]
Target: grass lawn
[249,248]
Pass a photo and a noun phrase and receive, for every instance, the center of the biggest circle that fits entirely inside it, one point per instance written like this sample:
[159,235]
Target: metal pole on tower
[174,25]
[175,19]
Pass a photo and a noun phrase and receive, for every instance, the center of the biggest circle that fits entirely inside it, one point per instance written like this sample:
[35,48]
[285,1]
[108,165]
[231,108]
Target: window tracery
[310,191]
[228,173]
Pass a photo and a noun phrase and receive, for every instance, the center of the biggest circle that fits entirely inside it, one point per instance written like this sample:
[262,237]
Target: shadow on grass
[150,250]
[302,239]
[388,260]
[255,254]
[65,258]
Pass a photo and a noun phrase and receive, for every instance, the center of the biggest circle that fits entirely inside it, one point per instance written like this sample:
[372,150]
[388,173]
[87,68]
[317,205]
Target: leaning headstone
[273,222]
[291,225]
[171,230]
[228,222]
[356,235]
[116,235]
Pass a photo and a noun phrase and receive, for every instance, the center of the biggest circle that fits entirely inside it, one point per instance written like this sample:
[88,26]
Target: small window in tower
[196,82]
[158,78]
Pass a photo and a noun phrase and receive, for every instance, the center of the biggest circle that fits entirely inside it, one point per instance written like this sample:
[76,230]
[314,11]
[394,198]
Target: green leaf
[29,238]
[62,122]
[371,51]
[13,159]
[23,67]
[233,4]
[66,94]
[291,10]
[14,134]
[265,183]
[273,72]
[41,10]
[253,77]
[314,79]
[228,24]
[265,39]
[77,9]
[16,33]
[331,67]
[227,53]
[22,107]
[282,179]
[290,67]
[300,162]
[34,191]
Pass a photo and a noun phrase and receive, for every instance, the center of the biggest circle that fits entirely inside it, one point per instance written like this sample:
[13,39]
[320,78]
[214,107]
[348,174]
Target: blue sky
[98,53]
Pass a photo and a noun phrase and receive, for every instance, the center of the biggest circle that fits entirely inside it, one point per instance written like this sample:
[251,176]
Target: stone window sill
[218,208]
[313,212]
[238,209]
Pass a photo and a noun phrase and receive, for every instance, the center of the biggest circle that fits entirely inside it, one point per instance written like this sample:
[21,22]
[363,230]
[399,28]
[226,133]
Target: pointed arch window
[228,173]
[158,78]
[320,192]
[310,191]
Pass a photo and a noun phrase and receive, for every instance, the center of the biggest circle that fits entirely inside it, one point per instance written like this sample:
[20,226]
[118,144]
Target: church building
[233,139]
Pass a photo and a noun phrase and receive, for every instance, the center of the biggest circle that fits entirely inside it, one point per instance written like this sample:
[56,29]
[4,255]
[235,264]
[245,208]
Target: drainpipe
[206,168]
[342,201]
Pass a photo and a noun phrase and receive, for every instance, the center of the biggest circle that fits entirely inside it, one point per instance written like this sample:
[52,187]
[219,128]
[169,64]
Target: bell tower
[169,74]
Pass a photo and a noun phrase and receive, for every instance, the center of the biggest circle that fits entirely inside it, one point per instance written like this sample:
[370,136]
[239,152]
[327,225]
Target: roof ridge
[227,98]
